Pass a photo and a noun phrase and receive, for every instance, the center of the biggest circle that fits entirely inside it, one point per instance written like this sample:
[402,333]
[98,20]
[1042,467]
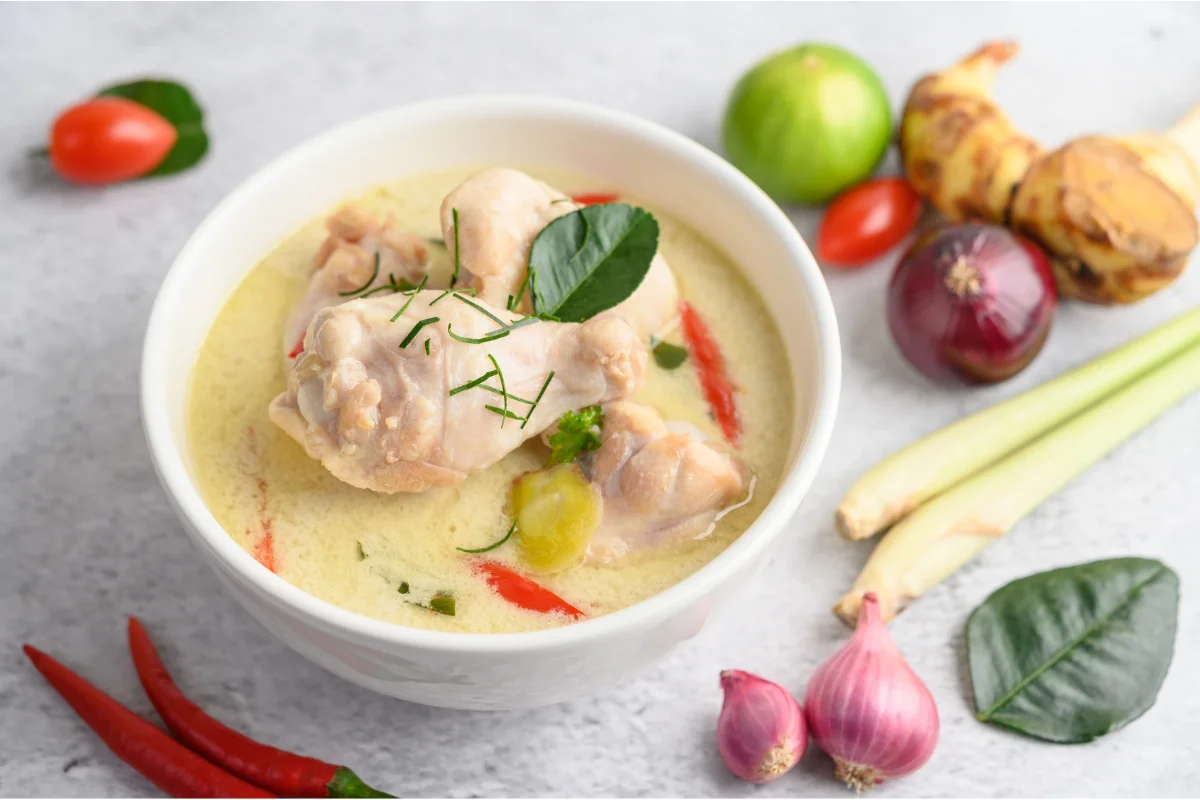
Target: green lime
[807,123]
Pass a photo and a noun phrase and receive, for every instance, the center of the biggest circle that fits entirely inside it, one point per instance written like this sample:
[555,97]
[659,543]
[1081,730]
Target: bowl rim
[200,523]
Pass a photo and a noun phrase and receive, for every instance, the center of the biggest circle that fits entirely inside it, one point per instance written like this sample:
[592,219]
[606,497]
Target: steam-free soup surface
[356,548]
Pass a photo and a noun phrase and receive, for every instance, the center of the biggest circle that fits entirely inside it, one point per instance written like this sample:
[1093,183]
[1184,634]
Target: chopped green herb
[500,333]
[510,396]
[408,302]
[416,328]
[374,275]
[537,399]
[578,432]
[403,587]
[362,556]
[426,347]
[472,384]
[392,285]
[439,297]
[457,252]
[493,545]
[442,603]
[561,200]
[504,413]
[667,355]
[481,310]
[513,302]
[508,305]
[503,389]
[435,240]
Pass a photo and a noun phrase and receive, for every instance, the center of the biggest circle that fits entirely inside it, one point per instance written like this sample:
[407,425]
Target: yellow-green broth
[354,547]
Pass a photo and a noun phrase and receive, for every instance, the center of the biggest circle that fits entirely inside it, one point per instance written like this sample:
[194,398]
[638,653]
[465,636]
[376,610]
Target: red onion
[761,731]
[971,303]
[868,710]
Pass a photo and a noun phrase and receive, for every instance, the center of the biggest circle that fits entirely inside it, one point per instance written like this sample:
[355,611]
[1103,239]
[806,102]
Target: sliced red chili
[521,591]
[264,551]
[163,761]
[594,198]
[299,348]
[285,773]
[710,367]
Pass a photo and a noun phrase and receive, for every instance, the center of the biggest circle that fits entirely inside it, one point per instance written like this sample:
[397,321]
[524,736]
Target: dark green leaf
[590,260]
[669,356]
[578,432]
[1074,653]
[174,102]
[443,604]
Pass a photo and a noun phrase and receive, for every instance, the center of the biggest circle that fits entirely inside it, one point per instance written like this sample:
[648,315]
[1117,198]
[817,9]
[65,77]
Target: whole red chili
[521,591]
[163,761]
[282,772]
[710,366]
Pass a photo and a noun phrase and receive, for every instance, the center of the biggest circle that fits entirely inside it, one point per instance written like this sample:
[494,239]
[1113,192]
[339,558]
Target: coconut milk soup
[512,454]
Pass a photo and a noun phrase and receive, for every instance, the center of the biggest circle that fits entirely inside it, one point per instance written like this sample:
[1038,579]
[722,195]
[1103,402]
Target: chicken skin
[500,212]
[382,403]
[346,261]
[658,486]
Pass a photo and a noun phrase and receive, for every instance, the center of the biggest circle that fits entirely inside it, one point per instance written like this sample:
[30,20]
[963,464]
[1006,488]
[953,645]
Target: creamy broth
[354,547]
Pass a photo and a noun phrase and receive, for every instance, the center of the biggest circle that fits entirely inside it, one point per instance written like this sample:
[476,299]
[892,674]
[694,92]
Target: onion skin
[761,732]
[971,304]
[868,710]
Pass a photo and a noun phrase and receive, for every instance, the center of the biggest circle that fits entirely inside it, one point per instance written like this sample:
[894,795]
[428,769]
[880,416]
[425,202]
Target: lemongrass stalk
[924,469]
[942,535]
[1186,135]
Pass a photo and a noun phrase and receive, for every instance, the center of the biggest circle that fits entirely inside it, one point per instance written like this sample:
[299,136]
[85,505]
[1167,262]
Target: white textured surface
[87,537]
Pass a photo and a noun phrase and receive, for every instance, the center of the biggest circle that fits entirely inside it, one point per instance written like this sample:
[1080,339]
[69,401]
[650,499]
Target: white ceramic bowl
[480,671]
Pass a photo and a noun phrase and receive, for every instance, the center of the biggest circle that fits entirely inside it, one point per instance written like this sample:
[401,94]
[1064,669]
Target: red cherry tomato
[109,139]
[866,221]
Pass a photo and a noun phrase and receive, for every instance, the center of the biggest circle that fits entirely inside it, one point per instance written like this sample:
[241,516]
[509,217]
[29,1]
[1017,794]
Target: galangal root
[1114,213]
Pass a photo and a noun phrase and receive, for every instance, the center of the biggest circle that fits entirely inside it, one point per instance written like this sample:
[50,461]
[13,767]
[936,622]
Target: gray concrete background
[87,538]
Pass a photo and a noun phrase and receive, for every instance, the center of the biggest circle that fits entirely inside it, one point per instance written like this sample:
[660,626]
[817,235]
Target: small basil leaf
[1074,653]
[176,104]
[590,260]
[669,356]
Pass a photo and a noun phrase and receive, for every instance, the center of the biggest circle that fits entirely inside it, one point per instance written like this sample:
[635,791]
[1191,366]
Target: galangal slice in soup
[403,392]
[361,249]
[491,220]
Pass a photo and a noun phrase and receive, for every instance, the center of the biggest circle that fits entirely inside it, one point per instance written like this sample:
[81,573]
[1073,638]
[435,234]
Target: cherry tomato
[109,139]
[866,221]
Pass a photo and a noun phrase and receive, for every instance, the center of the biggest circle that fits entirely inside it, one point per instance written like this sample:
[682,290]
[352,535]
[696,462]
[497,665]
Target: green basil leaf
[590,260]
[1074,653]
[174,102]
[669,356]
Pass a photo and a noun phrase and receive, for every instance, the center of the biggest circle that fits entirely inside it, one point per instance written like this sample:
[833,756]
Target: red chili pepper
[713,379]
[163,761]
[594,199]
[520,591]
[282,772]
[264,551]
[299,348]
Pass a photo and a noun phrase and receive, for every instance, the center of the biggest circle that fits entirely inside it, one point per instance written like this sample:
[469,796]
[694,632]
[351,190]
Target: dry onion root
[943,534]
[1116,214]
